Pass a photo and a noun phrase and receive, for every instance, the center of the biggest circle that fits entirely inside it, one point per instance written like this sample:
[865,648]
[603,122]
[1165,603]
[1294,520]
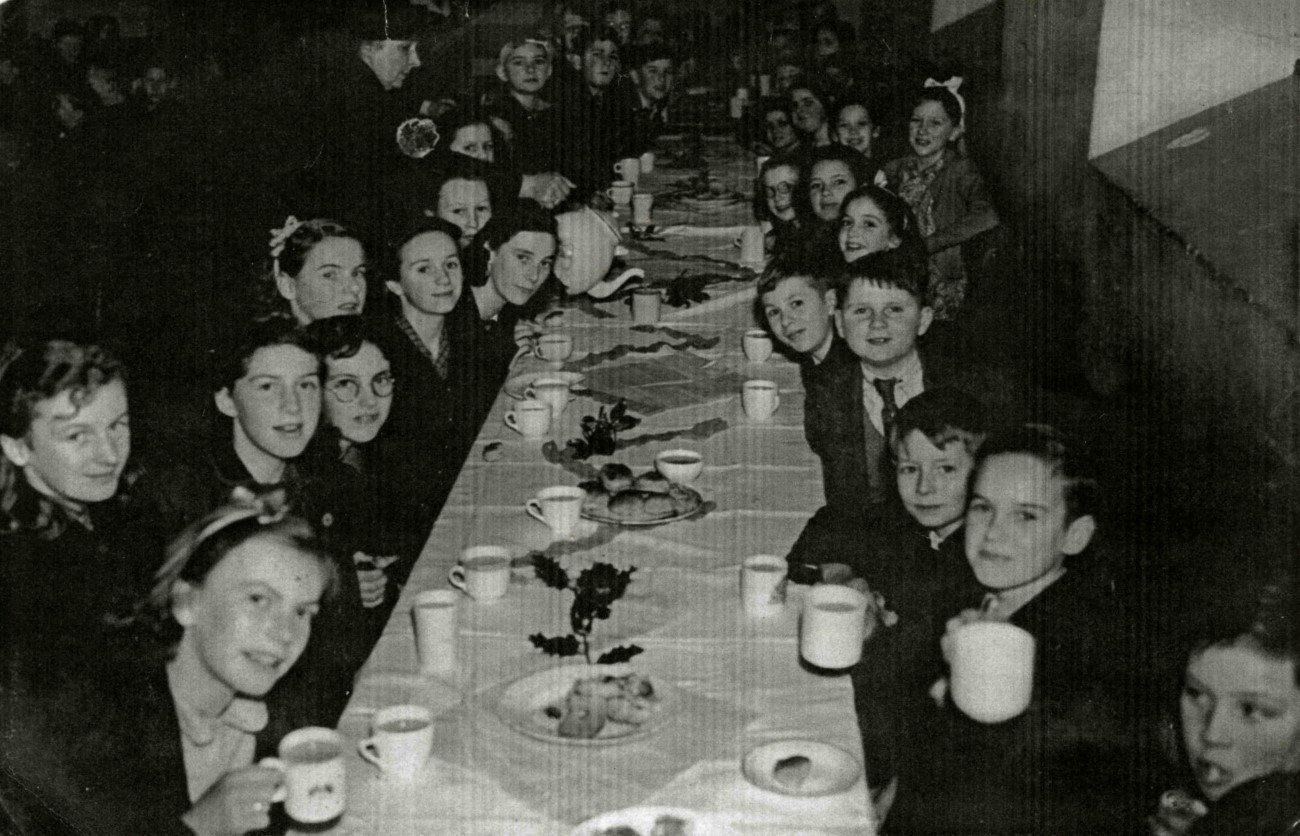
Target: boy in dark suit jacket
[1065,765]
[880,312]
[918,567]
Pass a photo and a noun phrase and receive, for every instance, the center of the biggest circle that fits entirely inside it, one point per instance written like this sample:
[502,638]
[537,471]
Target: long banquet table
[739,679]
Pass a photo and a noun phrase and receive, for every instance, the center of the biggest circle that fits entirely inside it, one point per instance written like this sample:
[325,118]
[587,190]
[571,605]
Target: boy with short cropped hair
[1064,765]
[796,301]
[850,409]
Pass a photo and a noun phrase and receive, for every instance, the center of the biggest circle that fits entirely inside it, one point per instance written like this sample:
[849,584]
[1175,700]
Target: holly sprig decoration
[600,433]
[594,592]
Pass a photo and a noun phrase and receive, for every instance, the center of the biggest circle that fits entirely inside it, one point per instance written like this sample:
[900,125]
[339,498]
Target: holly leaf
[556,645]
[619,655]
[549,571]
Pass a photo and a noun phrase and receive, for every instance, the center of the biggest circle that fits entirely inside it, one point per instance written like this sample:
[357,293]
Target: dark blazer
[97,751]
[1068,764]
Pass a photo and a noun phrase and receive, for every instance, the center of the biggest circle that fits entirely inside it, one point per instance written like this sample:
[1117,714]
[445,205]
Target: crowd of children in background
[169,617]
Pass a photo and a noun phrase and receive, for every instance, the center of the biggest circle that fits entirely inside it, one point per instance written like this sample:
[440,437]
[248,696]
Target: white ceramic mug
[620,191]
[629,169]
[641,204]
[761,592]
[757,344]
[554,348]
[559,507]
[992,670]
[531,418]
[401,738]
[765,85]
[315,784]
[434,612]
[553,391]
[647,161]
[752,245]
[833,626]
[760,399]
[483,573]
[680,466]
[645,305]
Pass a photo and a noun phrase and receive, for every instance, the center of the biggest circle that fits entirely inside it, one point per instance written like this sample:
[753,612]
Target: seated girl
[158,733]
[813,103]
[944,189]
[779,133]
[318,267]
[774,202]
[1240,708]
[874,219]
[448,368]
[65,530]
[508,262]
[358,396]
[854,126]
[829,173]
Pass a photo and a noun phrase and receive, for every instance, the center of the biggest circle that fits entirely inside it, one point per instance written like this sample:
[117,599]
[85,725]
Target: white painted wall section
[1165,60]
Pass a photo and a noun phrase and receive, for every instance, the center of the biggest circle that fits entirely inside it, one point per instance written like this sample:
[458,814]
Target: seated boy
[919,568]
[850,408]
[1063,766]
[796,300]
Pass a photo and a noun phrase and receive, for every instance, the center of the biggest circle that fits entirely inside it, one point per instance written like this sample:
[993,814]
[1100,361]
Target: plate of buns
[619,497]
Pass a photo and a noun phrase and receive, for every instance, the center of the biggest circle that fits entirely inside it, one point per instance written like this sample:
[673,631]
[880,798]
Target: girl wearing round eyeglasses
[358,398]
[774,201]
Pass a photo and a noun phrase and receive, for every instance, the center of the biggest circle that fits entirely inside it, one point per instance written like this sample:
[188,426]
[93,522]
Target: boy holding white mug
[1060,763]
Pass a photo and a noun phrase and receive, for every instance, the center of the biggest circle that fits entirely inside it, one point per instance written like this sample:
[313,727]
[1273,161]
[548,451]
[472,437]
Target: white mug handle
[370,753]
[534,509]
[776,402]
[282,791]
[530,393]
[456,577]
[512,422]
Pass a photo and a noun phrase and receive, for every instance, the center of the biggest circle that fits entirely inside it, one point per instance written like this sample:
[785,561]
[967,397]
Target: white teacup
[992,670]
[833,626]
[483,573]
[553,391]
[680,466]
[434,613]
[620,191]
[559,507]
[760,399]
[629,169]
[531,418]
[757,344]
[554,348]
[315,783]
[752,245]
[401,738]
[645,305]
[641,205]
[647,161]
[760,585]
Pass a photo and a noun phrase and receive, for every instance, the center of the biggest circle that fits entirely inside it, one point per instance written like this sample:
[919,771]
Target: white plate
[611,520]
[523,703]
[707,204]
[833,770]
[516,385]
[642,820]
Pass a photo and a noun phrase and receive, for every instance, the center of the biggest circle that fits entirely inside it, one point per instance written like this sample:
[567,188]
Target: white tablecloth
[740,679]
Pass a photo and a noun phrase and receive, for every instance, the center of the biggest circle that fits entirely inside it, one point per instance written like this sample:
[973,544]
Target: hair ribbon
[278,239]
[952,85]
